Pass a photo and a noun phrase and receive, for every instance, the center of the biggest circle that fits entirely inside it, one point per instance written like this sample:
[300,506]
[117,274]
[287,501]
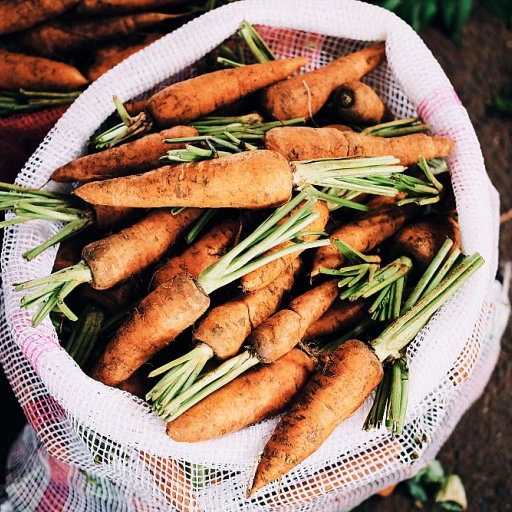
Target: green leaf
[434,473]
[416,490]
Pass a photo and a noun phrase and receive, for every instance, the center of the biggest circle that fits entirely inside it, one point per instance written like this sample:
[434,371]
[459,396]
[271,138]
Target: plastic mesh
[112,451]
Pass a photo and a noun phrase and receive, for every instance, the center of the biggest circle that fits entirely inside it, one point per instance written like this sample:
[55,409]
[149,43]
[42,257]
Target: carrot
[16,15]
[422,240]
[134,157]
[357,103]
[387,491]
[332,395]
[252,397]
[342,315]
[19,71]
[225,328]
[107,218]
[70,250]
[352,370]
[195,97]
[137,384]
[303,143]
[109,56]
[63,36]
[95,7]
[281,332]
[304,95]
[200,255]
[111,260]
[113,300]
[260,278]
[136,107]
[176,304]
[265,181]
[364,233]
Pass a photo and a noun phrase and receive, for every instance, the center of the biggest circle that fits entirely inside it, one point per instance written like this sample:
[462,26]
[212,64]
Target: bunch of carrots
[281,259]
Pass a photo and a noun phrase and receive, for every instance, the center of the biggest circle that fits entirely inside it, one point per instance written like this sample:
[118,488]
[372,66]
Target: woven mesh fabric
[110,437]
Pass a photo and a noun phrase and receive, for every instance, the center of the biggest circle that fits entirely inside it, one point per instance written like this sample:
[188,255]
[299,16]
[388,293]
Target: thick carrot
[19,71]
[134,157]
[252,397]
[113,300]
[137,384]
[357,103]
[332,395]
[253,179]
[364,234]
[95,7]
[303,143]
[422,240]
[225,328]
[304,95]
[342,315]
[118,257]
[158,319]
[260,278]
[195,97]
[109,56]
[282,331]
[16,15]
[200,255]
[62,36]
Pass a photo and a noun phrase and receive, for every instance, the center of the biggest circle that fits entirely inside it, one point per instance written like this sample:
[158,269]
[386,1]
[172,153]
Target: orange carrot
[266,181]
[113,300]
[332,395]
[304,143]
[304,95]
[201,254]
[195,97]
[19,71]
[62,36]
[260,278]
[134,157]
[225,328]
[109,56]
[422,240]
[252,397]
[364,234]
[342,315]
[282,331]
[357,103]
[107,218]
[158,319]
[16,15]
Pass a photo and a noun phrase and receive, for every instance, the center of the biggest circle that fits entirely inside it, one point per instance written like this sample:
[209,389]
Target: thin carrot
[19,71]
[200,255]
[304,95]
[17,15]
[364,234]
[262,277]
[113,300]
[304,143]
[134,157]
[107,218]
[281,332]
[107,57]
[62,36]
[110,261]
[357,103]
[342,315]
[423,239]
[195,97]
[252,397]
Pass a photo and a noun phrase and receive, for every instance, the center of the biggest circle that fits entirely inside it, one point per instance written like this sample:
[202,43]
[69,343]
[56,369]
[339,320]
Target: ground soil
[479,448]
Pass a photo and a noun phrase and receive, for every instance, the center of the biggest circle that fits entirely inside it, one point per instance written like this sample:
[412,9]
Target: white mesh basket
[109,451]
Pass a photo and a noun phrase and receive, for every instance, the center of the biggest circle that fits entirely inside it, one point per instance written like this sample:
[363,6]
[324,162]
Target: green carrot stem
[395,400]
[353,255]
[229,63]
[256,44]
[397,300]
[376,415]
[203,221]
[399,428]
[399,333]
[339,201]
[397,128]
[447,265]
[428,274]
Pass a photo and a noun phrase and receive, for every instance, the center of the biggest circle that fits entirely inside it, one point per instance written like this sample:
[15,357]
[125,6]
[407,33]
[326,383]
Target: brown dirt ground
[479,448]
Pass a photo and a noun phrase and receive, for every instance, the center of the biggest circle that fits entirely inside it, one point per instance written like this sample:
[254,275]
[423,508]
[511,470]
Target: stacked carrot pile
[49,51]
[263,266]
